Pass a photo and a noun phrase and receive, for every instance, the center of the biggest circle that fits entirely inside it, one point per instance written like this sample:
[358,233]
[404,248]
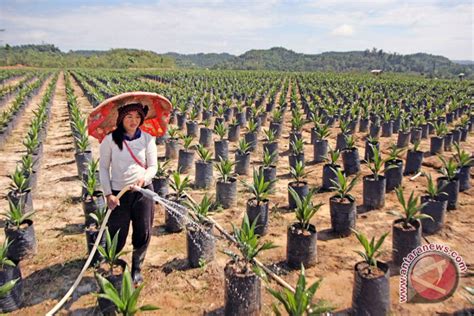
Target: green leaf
[148,307]
[7,287]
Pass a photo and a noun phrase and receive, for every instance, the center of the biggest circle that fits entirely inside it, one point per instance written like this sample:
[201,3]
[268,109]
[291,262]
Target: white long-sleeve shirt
[117,167]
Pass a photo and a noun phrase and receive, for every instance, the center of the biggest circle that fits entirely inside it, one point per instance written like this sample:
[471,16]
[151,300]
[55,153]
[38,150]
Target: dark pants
[139,210]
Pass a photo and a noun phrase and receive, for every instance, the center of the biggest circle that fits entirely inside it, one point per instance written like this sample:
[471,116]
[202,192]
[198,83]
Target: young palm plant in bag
[20,191]
[449,181]
[226,185]
[269,168]
[300,303]
[464,161]
[242,157]
[297,152]
[200,239]
[371,292]
[374,185]
[19,228]
[186,155]
[11,288]
[342,205]
[407,228]
[242,281]
[221,146]
[258,205]
[93,197]
[299,174]
[393,175]
[328,169]
[124,299]
[302,235]
[92,232]
[203,168]
[176,216]
[161,178]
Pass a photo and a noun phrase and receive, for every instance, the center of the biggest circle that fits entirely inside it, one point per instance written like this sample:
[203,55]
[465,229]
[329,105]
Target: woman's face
[131,121]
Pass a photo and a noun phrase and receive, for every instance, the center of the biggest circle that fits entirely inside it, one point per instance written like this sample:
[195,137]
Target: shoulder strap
[133,156]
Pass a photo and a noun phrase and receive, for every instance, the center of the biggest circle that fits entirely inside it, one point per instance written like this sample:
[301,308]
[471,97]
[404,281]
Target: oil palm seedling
[449,181]
[297,152]
[234,130]
[11,283]
[300,302]
[341,137]
[276,123]
[320,144]
[242,157]
[221,146]
[20,230]
[271,143]
[110,254]
[387,124]
[298,184]
[192,126]
[251,136]
[125,299]
[29,169]
[302,235]
[258,205]
[464,161]
[404,134]
[161,178]
[407,228]
[370,142]
[205,134]
[226,185]
[297,122]
[19,190]
[434,204]
[328,169]
[172,144]
[92,231]
[200,239]
[186,155]
[437,141]
[92,198]
[374,184]
[176,218]
[111,268]
[203,168]
[393,175]
[83,153]
[342,205]
[269,168]
[242,284]
[350,156]
[371,292]
[414,159]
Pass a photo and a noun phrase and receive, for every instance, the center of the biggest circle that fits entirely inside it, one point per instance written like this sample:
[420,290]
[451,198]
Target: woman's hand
[137,185]
[140,182]
[112,201]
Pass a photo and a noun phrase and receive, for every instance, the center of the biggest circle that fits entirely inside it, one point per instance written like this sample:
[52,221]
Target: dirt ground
[170,284]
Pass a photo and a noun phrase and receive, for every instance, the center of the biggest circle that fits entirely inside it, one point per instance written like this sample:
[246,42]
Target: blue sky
[436,27]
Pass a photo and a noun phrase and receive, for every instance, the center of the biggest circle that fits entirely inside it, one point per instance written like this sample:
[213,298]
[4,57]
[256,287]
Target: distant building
[376,72]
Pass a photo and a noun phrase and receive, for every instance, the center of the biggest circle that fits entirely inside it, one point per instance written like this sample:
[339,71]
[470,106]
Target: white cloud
[343,30]
[236,26]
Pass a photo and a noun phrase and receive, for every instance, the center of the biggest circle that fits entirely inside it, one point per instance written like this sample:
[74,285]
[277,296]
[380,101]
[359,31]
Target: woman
[128,157]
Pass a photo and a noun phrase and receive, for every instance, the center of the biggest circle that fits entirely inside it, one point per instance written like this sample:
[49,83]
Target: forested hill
[283,59]
[276,58]
[200,60]
[51,56]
